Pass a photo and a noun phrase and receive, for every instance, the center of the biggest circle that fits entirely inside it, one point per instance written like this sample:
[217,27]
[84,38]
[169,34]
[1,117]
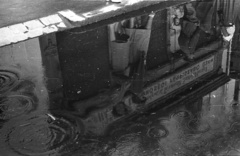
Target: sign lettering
[172,83]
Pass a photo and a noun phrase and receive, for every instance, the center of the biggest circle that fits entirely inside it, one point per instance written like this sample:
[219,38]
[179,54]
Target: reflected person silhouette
[174,34]
[197,28]
[189,35]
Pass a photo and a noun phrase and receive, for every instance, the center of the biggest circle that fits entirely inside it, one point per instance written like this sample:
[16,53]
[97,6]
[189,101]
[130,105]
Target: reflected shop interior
[156,83]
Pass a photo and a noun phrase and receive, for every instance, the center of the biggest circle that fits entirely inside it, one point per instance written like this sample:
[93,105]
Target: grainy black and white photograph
[119,78]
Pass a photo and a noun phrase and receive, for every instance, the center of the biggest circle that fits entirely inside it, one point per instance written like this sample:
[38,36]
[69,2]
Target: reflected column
[236,90]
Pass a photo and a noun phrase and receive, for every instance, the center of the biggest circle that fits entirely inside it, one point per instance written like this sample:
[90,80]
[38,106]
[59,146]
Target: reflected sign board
[161,88]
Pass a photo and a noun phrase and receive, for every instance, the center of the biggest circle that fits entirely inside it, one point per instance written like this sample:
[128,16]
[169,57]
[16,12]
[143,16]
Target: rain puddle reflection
[68,97]
[205,127]
[209,126]
[41,135]
[27,128]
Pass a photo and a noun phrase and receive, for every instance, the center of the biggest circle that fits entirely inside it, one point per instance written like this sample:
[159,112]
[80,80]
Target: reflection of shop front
[100,87]
[93,87]
[193,101]
[191,82]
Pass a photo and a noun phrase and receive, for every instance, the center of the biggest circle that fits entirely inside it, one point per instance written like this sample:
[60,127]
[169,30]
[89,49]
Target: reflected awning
[25,19]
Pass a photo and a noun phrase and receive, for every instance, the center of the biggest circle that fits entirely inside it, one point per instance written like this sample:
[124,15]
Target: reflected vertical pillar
[229,51]
[236,90]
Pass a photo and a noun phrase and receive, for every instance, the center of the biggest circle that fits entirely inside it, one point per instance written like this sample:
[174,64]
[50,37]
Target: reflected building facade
[144,81]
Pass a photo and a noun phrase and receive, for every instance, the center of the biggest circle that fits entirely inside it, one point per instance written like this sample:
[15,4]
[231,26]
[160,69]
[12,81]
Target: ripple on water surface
[41,135]
[20,100]
[15,105]
[8,80]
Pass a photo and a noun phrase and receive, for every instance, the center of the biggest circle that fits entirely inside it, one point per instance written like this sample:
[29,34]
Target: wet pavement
[208,126]
[24,17]
[19,11]
[34,120]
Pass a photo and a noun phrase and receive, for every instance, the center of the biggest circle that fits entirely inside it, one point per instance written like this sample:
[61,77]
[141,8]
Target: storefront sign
[178,80]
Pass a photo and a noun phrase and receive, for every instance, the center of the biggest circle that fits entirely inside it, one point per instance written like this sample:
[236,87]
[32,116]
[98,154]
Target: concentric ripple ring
[15,105]
[8,80]
[42,135]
